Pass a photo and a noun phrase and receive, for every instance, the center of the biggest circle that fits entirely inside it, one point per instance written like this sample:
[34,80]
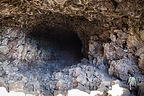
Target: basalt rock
[42,43]
[140,89]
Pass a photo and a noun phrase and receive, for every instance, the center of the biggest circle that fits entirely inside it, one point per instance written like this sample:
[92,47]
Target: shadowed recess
[61,44]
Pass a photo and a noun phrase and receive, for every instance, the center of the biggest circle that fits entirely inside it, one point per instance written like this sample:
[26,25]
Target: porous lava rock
[110,35]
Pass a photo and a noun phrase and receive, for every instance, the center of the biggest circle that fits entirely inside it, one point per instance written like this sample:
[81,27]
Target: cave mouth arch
[61,44]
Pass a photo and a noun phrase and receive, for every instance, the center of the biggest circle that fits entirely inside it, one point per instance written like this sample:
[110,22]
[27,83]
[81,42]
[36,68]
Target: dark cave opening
[62,46]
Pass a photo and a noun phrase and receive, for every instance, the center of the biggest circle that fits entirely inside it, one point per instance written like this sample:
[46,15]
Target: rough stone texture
[90,18]
[120,68]
[90,9]
[140,89]
[76,92]
[118,91]
[111,32]
[40,80]
[4,92]
[121,58]
[25,64]
[140,53]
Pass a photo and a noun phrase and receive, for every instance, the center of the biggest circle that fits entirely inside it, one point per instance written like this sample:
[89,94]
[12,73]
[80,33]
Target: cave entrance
[62,46]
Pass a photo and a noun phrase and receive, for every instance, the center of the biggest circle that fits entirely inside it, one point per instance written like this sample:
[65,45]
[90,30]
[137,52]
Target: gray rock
[77,92]
[118,91]
[83,88]
[2,82]
[120,68]
[16,86]
[5,42]
[29,88]
[141,89]
[113,37]
[81,79]
[2,58]
[4,49]
[61,85]
[1,71]
[77,71]
[100,63]
[141,62]
[20,49]
[109,52]
[58,75]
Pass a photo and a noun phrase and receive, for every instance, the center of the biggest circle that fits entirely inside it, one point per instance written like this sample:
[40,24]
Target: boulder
[16,86]
[140,89]
[96,93]
[118,91]
[58,75]
[141,62]
[3,91]
[81,79]
[2,82]
[77,92]
[120,68]
[5,41]
[4,49]
[140,53]
[61,84]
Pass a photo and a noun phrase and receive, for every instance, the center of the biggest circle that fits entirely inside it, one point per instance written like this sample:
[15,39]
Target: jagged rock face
[110,33]
[55,44]
[140,89]
[90,9]
[140,53]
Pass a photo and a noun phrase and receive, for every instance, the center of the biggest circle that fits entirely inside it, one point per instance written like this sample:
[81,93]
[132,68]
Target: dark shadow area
[60,45]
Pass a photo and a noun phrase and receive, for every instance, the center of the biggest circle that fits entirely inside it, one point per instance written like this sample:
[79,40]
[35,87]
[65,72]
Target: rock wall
[23,62]
[119,54]
[103,43]
[111,32]
[16,46]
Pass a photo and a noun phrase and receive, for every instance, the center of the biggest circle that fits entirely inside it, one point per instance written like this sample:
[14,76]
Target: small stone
[58,75]
[4,49]
[77,71]
[16,86]
[60,1]
[81,79]
[119,1]
[61,85]
[118,91]
[2,82]
[94,61]
[5,63]
[116,82]
[29,87]
[5,41]
[113,37]
[13,33]
[20,49]
[96,93]
[142,35]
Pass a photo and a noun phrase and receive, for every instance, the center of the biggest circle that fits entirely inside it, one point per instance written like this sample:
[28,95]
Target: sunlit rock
[76,92]
[118,91]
